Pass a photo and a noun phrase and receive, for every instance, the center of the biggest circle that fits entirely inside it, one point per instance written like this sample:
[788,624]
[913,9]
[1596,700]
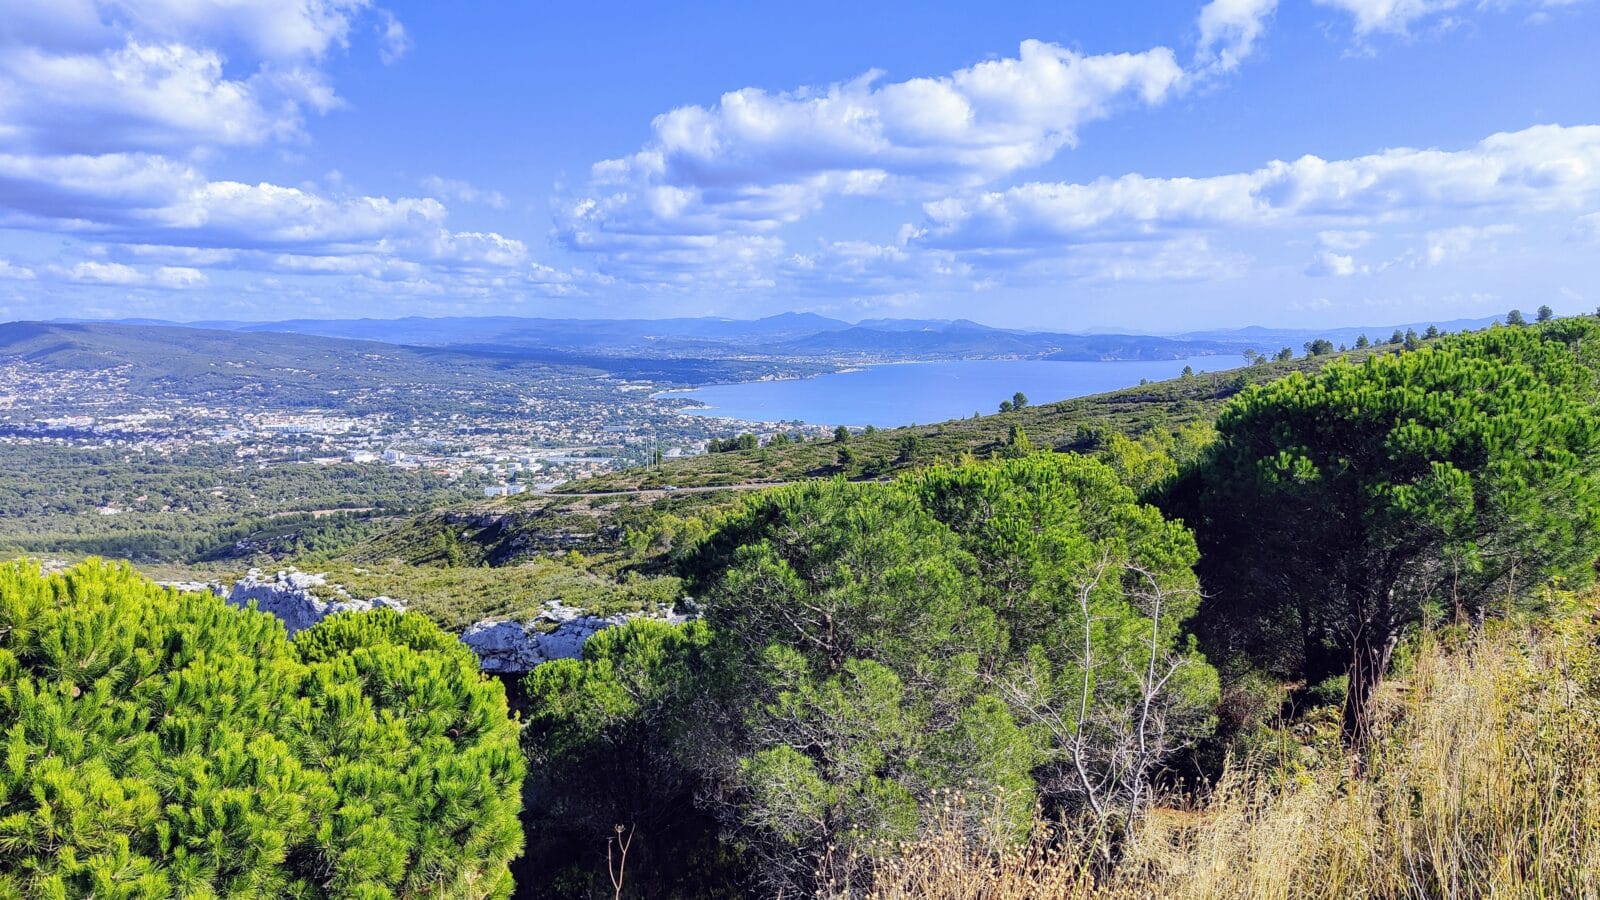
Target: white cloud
[13,272]
[138,96]
[179,277]
[150,209]
[1447,244]
[396,43]
[1328,262]
[1398,16]
[1390,15]
[97,76]
[273,30]
[118,274]
[192,256]
[462,191]
[104,273]
[1229,30]
[469,248]
[152,200]
[1541,168]
[756,160]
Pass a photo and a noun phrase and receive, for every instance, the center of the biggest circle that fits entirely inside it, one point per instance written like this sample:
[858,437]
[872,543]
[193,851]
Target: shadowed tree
[1335,509]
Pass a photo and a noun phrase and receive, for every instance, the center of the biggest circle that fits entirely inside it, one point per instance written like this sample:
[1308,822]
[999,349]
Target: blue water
[925,393]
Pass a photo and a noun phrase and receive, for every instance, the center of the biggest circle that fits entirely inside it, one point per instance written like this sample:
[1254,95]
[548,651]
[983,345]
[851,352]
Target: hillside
[1066,425]
[199,363]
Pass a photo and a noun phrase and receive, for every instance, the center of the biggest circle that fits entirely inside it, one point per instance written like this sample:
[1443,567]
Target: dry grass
[1484,782]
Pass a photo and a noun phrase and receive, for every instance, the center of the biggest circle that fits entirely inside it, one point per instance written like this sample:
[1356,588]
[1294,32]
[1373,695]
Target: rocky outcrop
[291,596]
[502,647]
[558,632]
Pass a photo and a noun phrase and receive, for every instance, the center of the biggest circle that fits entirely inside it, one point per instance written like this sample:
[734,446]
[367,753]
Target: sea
[923,393]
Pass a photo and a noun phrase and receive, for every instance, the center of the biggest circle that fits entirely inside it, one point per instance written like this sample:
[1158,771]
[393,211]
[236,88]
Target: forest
[1338,639]
[197,504]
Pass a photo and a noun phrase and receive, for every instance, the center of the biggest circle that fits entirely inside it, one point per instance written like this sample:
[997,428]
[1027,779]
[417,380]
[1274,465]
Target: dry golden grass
[1484,781]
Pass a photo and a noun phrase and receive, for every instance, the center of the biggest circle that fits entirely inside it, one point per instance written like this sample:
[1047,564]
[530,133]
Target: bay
[928,392]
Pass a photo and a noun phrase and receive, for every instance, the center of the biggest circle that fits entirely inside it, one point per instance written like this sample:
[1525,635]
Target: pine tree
[161,744]
[1337,509]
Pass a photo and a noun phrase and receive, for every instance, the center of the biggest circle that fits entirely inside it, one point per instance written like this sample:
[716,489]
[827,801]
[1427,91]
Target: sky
[1142,166]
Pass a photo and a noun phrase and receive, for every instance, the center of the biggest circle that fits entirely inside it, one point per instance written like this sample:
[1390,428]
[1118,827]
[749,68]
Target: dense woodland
[198,504]
[1335,639]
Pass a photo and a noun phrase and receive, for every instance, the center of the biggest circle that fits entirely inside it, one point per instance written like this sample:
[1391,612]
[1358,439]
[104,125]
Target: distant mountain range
[1265,338]
[794,337]
[181,360]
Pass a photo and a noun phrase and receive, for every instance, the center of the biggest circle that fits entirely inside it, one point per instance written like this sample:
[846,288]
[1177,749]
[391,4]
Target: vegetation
[1079,424]
[996,678]
[200,504]
[1482,780]
[457,596]
[1338,510]
[162,744]
[1319,627]
[1010,629]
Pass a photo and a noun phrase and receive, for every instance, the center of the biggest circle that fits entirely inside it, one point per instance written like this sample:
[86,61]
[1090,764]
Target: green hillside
[1077,424]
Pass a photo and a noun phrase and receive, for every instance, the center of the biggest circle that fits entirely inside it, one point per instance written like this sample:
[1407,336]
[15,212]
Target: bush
[161,744]
[1482,780]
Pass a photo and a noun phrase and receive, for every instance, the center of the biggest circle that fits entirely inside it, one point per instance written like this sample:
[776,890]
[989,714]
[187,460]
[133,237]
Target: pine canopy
[160,744]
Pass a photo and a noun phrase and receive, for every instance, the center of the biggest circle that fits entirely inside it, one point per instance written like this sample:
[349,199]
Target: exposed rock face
[558,633]
[289,596]
[504,647]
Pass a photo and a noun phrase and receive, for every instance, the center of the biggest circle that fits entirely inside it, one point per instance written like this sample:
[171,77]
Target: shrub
[161,744]
[1483,780]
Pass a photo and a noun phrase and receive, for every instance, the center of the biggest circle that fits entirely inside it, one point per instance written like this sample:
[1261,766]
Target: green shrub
[160,744]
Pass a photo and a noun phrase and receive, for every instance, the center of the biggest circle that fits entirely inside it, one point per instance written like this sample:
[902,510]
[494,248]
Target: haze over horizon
[1176,168]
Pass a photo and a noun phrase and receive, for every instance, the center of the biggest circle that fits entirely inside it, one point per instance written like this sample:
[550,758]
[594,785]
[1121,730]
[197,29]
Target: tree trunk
[1370,653]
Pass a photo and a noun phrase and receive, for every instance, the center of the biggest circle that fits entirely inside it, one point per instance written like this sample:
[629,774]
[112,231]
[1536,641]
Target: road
[636,492]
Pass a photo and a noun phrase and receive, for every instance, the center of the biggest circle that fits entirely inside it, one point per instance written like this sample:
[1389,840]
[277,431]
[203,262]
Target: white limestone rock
[559,632]
[289,596]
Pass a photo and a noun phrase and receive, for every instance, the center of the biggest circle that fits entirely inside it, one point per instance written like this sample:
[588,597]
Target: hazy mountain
[1267,339]
[625,344]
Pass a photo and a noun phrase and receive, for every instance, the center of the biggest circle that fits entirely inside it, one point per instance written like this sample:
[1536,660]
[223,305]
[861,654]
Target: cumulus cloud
[110,108]
[756,160]
[91,76]
[153,200]
[151,209]
[118,274]
[139,95]
[1229,30]
[1540,168]
[1327,262]
[1447,244]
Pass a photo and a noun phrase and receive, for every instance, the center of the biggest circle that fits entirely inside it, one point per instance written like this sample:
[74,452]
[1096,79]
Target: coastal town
[543,436]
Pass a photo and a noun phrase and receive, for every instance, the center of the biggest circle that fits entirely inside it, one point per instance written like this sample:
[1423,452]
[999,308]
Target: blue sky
[1147,166]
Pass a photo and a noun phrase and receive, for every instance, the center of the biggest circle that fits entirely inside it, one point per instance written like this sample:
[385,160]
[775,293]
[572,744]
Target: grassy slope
[1484,781]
